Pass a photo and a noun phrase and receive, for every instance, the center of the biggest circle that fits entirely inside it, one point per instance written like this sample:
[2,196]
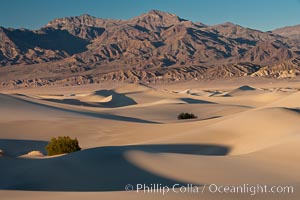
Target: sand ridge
[130,134]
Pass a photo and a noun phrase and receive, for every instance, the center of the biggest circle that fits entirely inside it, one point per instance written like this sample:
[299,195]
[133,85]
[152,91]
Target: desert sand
[129,134]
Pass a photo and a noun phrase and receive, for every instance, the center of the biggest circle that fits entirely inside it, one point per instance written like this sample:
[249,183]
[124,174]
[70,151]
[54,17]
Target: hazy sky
[258,14]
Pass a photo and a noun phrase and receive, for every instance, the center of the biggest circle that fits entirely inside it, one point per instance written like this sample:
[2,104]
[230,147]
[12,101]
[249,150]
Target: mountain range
[154,47]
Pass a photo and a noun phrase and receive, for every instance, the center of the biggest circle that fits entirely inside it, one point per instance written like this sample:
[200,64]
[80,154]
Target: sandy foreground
[246,135]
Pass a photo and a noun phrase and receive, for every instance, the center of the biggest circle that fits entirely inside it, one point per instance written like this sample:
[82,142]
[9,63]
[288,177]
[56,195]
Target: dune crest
[130,134]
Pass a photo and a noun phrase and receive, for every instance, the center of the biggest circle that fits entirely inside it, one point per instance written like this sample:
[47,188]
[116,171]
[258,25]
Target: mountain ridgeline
[154,47]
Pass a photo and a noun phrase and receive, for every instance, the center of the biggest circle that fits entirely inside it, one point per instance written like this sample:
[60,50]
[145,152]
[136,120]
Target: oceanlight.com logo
[210,188]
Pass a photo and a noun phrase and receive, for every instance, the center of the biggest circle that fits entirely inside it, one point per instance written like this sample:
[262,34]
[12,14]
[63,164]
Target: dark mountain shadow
[167,62]
[205,36]
[245,41]
[158,44]
[91,32]
[297,51]
[140,28]
[48,38]
[97,169]
[195,33]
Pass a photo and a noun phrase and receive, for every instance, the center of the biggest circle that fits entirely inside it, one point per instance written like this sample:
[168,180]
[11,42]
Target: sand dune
[289,100]
[271,126]
[32,109]
[132,88]
[14,109]
[243,90]
[167,111]
[130,135]
[101,98]
[102,169]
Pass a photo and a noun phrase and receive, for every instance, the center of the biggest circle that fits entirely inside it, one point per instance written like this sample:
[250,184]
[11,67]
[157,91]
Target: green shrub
[62,145]
[186,116]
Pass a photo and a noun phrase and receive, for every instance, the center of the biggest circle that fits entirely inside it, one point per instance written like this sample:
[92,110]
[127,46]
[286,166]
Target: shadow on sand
[96,169]
[118,100]
[196,101]
[15,148]
[82,112]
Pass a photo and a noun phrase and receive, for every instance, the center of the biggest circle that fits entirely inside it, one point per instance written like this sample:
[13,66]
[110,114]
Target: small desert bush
[62,145]
[186,116]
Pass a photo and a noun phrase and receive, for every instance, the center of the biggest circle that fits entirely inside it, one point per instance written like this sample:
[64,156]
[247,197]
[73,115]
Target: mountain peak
[152,41]
[83,19]
[229,24]
[160,13]
[87,16]
[156,20]
[292,32]
[163,14]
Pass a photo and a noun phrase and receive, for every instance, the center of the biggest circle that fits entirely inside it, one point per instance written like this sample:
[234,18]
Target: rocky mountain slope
[156,46]
[292,32]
